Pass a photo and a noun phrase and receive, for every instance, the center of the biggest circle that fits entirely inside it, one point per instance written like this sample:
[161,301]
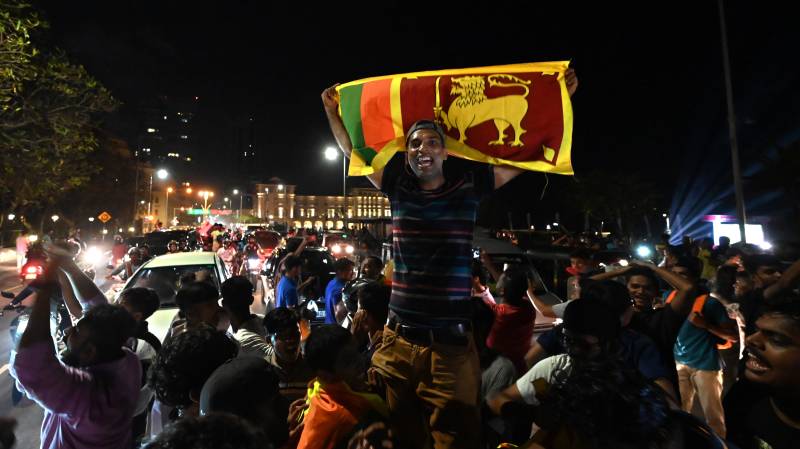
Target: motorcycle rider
[250,251]
[129,266]
[118,251]
[228,255]
[173,247]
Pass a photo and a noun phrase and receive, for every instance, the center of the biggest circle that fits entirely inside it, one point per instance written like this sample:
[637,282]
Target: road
[27,413]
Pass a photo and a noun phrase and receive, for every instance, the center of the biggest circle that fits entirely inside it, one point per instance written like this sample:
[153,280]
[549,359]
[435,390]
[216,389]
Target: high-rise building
[245,141]
[166,133]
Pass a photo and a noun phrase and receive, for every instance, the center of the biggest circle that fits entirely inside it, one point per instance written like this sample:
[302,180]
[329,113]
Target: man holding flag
[428,360]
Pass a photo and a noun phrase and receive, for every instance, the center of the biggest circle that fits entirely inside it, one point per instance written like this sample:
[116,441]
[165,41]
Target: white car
[164,273]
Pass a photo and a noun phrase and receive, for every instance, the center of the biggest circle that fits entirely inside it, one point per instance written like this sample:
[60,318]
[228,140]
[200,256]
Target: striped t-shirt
[432,240]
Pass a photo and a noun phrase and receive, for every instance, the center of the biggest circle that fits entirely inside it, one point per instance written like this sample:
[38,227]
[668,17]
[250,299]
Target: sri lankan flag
[517,115]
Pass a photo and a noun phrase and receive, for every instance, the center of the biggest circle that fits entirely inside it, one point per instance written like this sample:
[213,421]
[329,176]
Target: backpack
[697,307]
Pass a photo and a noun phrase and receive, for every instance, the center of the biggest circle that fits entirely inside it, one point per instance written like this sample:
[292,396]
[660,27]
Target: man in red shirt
[512,332]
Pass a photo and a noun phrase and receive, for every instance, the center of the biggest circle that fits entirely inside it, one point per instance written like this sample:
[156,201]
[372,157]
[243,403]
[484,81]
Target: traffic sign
[104,217]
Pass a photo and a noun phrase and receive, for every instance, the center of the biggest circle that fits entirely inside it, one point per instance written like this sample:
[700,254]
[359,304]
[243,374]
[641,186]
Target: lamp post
[205,194]
[239,211]
[331,154]
[161,174]
[166,203]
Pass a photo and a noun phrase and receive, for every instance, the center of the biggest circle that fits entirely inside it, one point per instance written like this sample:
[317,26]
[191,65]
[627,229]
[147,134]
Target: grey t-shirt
[497,377]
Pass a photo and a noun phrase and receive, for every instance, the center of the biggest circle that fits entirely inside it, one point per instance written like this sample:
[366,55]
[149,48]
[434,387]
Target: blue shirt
[637,350]
[333,295]
[696,347]
[286,294]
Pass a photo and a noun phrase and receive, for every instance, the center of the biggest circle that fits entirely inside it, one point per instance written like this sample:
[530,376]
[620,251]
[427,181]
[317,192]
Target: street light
[55,218]
[91,219]
[162,174]
[11,217]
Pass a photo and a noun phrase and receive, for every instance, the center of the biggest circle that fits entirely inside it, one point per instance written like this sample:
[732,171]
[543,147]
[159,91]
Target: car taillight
[33,270]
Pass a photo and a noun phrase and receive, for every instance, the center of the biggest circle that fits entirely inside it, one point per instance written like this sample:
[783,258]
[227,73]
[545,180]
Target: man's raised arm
[330,100]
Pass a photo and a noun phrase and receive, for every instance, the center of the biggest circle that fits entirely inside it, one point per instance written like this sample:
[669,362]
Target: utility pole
[737,171]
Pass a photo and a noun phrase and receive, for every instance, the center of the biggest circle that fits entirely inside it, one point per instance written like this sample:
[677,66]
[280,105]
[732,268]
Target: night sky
[651,96]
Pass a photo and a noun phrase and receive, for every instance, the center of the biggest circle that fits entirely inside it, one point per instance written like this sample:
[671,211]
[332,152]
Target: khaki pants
[708,387]
[431,391]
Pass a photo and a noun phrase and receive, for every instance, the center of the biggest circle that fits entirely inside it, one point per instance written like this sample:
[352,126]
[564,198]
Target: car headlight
[349,249]
[336,248]
[93,255]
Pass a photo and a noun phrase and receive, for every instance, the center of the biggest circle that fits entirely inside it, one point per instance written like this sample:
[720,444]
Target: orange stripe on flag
[376,113]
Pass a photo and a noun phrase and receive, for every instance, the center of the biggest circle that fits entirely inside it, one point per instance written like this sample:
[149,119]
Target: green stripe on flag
[367,154]
[350,99]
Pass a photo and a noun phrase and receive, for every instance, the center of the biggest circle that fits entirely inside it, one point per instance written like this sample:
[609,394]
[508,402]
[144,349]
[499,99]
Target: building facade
[277,202]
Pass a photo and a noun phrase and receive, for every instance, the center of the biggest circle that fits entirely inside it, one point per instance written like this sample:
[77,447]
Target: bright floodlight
[331,154]
[644,251]
[11,216]
[162,174]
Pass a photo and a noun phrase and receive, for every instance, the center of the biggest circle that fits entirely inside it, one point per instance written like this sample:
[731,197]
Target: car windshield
[166,281]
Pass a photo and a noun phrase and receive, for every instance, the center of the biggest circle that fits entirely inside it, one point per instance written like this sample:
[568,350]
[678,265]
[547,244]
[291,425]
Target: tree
[50,117]
[17,21]
[624,199]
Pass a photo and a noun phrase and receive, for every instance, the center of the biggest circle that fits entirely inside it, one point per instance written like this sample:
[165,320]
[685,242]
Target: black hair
[787,306]
[196,293]
[607,404]
[323,346]
[644,272]
[479,271]
[611,294]
[588,317]
[374,298]
[675,250]
[292,261]
[581,253]
[515,286]
[248,387]
[753,262]
[724,280]
[110,327]
[186,361]
[281,319]
[212,431]
[343,264]
[425,124]
[141,299]
[376,259]
[237,294]
[693,264]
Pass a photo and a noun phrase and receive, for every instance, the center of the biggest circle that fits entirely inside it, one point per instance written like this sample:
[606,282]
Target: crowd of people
[448,356]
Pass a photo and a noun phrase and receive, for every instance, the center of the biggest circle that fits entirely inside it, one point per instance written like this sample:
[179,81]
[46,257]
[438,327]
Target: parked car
[164,273]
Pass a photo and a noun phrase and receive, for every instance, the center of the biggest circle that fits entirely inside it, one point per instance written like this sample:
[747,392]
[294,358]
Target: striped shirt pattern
[432,242]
